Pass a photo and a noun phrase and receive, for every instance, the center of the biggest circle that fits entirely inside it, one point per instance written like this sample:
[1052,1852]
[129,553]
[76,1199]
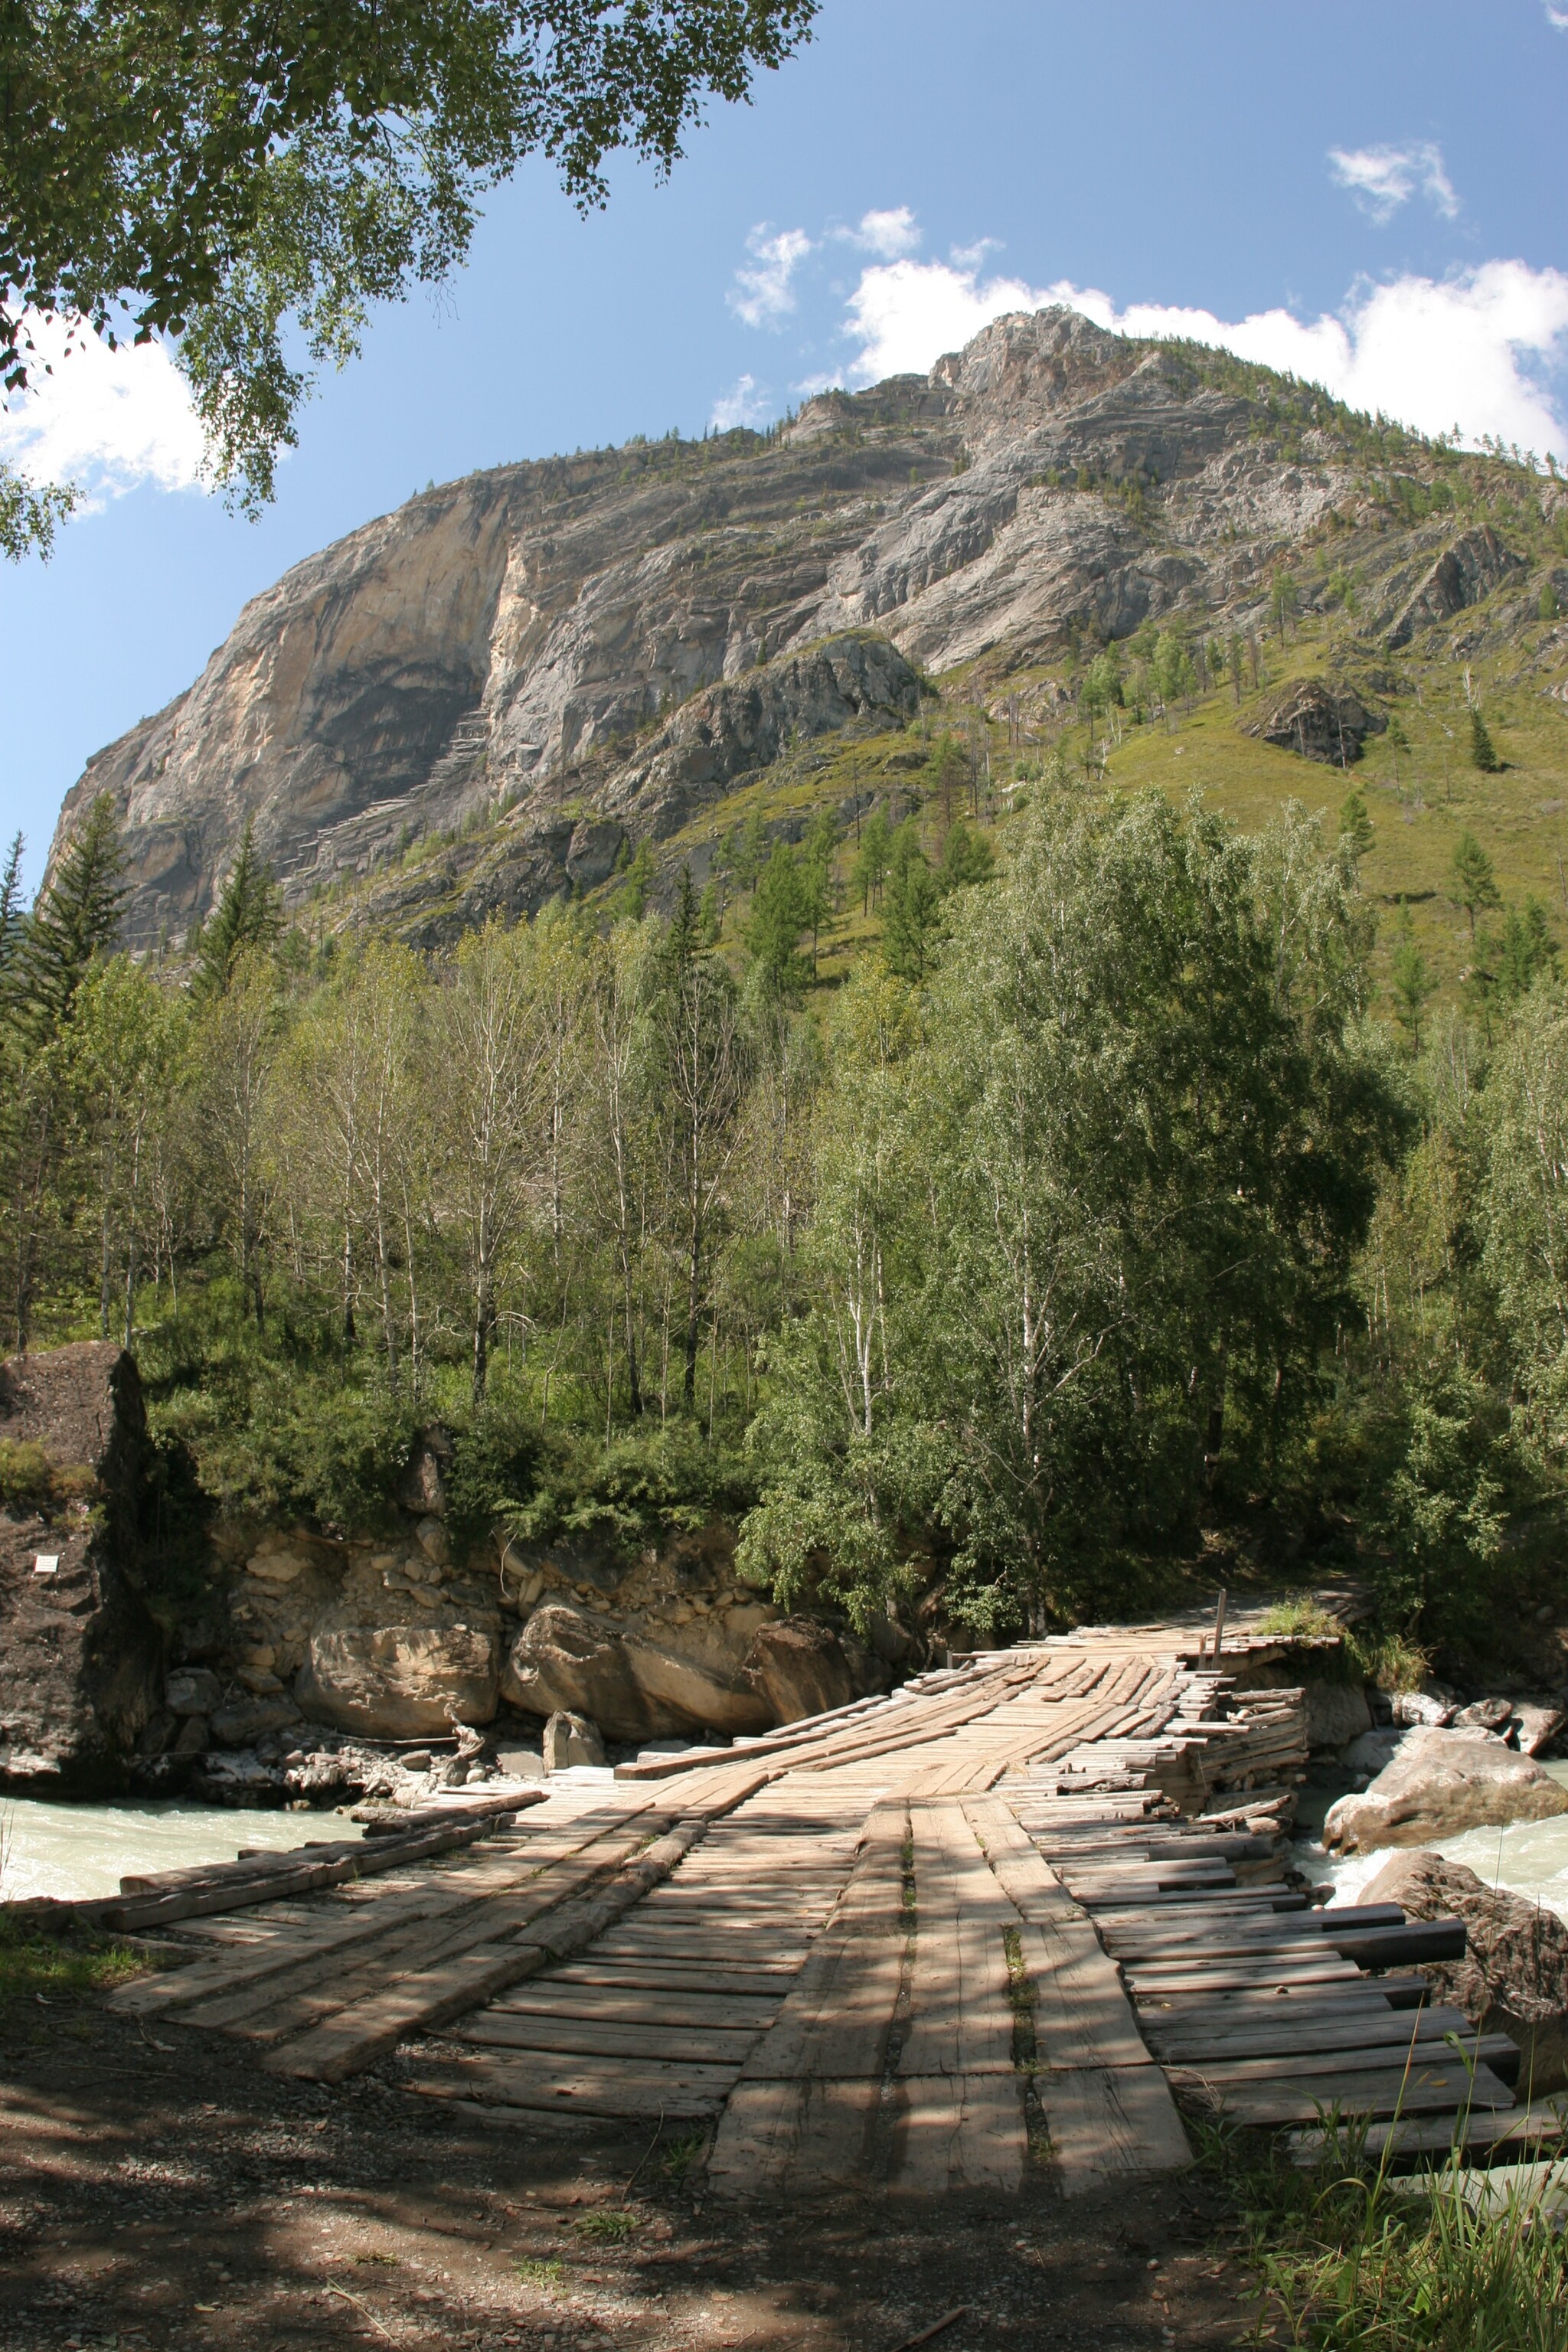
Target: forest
[1105,1215]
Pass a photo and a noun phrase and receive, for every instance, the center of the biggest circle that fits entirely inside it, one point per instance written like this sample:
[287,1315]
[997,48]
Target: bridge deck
[1010,1915]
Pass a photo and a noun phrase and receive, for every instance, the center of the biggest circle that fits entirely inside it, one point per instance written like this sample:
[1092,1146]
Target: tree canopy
[211,172]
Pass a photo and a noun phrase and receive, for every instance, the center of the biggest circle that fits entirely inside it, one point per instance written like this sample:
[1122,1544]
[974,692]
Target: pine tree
[1524,952]
[76,918]
[869,870]
[1412,979]
[13,923]
[966,858]
[1355,826]
[779,914]
[1475,879]
[632,898]
[1483,751]
[913,907]
[684,941]
[248,915]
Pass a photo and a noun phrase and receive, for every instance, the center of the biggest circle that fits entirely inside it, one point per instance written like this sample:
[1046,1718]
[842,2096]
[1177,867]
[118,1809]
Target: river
[1529,1859]
[76,1851]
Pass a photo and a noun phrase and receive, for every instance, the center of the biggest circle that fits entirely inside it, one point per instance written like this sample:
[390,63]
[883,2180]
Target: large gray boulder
[399,1681]
[800,1668]
[1337,1712]
[634,1688]
[1439,1783]
[81,1654]
[1513,1978]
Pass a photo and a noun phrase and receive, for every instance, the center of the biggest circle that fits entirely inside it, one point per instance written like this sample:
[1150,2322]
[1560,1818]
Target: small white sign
[45,1563]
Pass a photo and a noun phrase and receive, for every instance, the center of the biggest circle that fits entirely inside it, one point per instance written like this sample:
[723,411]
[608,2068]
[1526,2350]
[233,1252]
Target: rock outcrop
[479,701]
[566,1661]
[1513,1978]
[799,1668]
[1437,1783]
[1319,720]
[81,1655]
[399,1681]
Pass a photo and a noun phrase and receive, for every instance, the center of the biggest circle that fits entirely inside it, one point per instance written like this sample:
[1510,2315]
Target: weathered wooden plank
[585,2086]
[551,1996]
[1226,2067]
[1513,2134]
[1081,2013]
[958,2132]
[961,2021]
[354,2037]
[1299,2097]
[1181,2043]
[502,2029]
[1111,2123]
[835,2020]
[676,1975]
[790,2140]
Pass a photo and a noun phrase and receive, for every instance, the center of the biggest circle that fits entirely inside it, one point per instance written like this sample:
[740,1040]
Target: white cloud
[888,235]
[746,403]
[975,255]
[762,294]
[110,421]
[1381,179]
[905,314]
[1433,353]
[1557,16]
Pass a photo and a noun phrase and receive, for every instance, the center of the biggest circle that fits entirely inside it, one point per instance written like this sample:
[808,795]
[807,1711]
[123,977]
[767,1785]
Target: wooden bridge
[1014,1914]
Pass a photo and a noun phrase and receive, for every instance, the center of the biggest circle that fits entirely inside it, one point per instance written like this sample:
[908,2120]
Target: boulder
[399,1681]
[1337,1713]
[1438,1783]
[572,1739]
[800,1669]
[1484,1715]
[193,1690]
[1365,1757]
[564,1660]
[248,1720]
[81,1658]
[1431,1706]
[1534,1726]
[1513,1978]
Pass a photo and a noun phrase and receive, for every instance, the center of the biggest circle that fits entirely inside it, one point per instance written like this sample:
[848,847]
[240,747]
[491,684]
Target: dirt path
[158,2190]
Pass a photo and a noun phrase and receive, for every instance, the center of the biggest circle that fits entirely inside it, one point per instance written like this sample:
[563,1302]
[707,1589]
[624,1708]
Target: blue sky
[1371,190]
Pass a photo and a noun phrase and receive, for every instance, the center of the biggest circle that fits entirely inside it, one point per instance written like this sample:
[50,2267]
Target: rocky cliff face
[552,659]
[80,1657]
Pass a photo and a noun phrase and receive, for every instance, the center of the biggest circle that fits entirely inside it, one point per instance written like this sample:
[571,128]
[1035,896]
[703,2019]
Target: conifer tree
[76,918]
[869,870]
[1412,979]
[1483,751]
[1356,829]
[966,858]
[633,899]
[913,907]
[1475,879]
[12,923]
[248,914]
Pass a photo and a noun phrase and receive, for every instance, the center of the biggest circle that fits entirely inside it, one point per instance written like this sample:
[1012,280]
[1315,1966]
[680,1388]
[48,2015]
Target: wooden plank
[1302,2098]
[835,2020]
[549,1996]
[1513,2136]
[1108,2124]
[1183,2043]
[1226,2067]
[495,2028]
[953,2133]
[1082,2015]
[354,2037]
[789,2140]
[676,1975]
[961,2021]
[288,2002]
[580,2086]
[1240,1975]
